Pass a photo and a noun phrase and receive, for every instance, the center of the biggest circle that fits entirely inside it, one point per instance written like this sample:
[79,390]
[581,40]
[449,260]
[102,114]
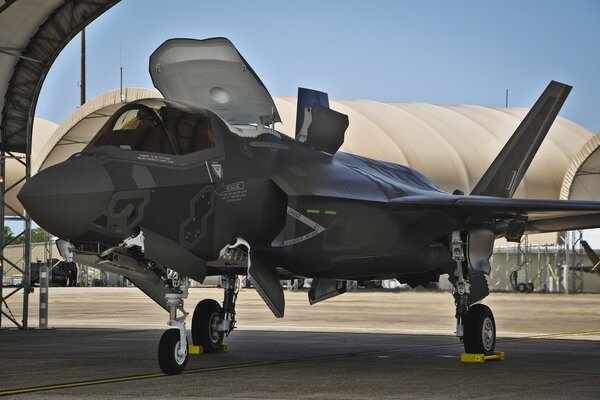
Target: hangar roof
[33,33]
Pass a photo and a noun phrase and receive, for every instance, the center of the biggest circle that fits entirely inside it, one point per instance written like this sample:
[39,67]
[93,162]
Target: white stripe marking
[307,221]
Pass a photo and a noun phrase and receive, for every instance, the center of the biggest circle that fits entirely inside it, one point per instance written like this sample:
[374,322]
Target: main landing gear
[475,324]
[210,323]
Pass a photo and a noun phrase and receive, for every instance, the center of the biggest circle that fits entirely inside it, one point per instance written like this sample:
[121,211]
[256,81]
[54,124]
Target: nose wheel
[172,355]
[173,345]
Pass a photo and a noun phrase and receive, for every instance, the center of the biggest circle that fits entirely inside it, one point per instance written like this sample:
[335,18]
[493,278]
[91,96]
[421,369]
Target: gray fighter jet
[200,183]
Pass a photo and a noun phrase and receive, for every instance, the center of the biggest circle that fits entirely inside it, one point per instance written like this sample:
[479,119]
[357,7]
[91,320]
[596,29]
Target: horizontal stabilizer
[506,172]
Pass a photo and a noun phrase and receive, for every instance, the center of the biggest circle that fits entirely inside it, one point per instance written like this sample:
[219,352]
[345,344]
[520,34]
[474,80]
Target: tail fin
[504,175]
[592,255]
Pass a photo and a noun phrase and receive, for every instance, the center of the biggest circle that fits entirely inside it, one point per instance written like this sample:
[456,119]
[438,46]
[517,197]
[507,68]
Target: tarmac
[359,345]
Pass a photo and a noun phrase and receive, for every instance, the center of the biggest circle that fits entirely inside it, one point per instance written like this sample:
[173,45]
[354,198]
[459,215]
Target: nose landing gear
[173,346]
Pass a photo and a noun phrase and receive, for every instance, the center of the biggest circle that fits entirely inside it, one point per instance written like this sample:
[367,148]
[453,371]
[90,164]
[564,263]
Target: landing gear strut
[475,324]
[173,346]
[211,322]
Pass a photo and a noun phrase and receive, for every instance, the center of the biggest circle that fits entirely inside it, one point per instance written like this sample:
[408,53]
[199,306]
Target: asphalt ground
[357,346]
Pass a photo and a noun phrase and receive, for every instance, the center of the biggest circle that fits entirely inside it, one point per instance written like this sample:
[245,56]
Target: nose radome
[65,198]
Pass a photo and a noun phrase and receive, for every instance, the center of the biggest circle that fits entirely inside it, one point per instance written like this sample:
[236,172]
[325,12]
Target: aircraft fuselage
[308,212]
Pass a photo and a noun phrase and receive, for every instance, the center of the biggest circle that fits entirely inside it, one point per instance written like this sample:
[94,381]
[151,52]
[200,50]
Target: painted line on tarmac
[565,334]
[212,369]
[124,379]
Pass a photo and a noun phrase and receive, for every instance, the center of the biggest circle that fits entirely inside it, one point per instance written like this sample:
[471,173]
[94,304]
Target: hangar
[465,139]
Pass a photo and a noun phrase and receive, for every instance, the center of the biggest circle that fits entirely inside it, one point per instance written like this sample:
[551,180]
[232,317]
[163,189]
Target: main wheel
[480,330]
[204,326]
[169,360]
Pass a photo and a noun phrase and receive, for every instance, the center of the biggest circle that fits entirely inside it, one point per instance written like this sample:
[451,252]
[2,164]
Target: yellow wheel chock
[481,358]
[197,350]
[223,349]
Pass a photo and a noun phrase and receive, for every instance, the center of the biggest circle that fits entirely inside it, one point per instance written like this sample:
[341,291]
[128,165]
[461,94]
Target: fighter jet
[200,183]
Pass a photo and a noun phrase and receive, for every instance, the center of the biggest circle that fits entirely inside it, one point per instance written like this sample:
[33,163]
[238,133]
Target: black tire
[521,287]
[529,287]
[206,315]
[480,330]
[168,360]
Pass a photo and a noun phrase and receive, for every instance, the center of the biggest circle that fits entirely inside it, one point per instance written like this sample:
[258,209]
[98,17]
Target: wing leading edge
[511,218]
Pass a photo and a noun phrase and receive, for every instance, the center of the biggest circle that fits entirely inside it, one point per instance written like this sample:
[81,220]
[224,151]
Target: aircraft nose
[65,198]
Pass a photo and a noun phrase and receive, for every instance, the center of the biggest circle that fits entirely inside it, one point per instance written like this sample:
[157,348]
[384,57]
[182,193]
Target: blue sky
[444,52]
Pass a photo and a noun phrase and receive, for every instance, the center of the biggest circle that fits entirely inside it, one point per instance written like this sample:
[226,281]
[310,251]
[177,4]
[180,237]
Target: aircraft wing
[526,216]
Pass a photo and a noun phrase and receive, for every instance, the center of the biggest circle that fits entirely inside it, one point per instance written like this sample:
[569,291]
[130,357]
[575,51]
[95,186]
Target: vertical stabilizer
[504,175]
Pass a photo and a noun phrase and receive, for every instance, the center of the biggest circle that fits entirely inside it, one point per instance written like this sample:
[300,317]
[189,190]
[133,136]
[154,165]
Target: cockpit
[158,126]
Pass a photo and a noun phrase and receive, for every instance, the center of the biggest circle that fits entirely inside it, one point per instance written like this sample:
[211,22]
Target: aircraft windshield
[156,126]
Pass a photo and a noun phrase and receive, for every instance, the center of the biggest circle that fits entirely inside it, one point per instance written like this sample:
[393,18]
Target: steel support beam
[2,239]
[26,234]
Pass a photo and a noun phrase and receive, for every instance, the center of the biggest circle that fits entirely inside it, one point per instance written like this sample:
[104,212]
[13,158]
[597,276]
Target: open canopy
[212,74]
